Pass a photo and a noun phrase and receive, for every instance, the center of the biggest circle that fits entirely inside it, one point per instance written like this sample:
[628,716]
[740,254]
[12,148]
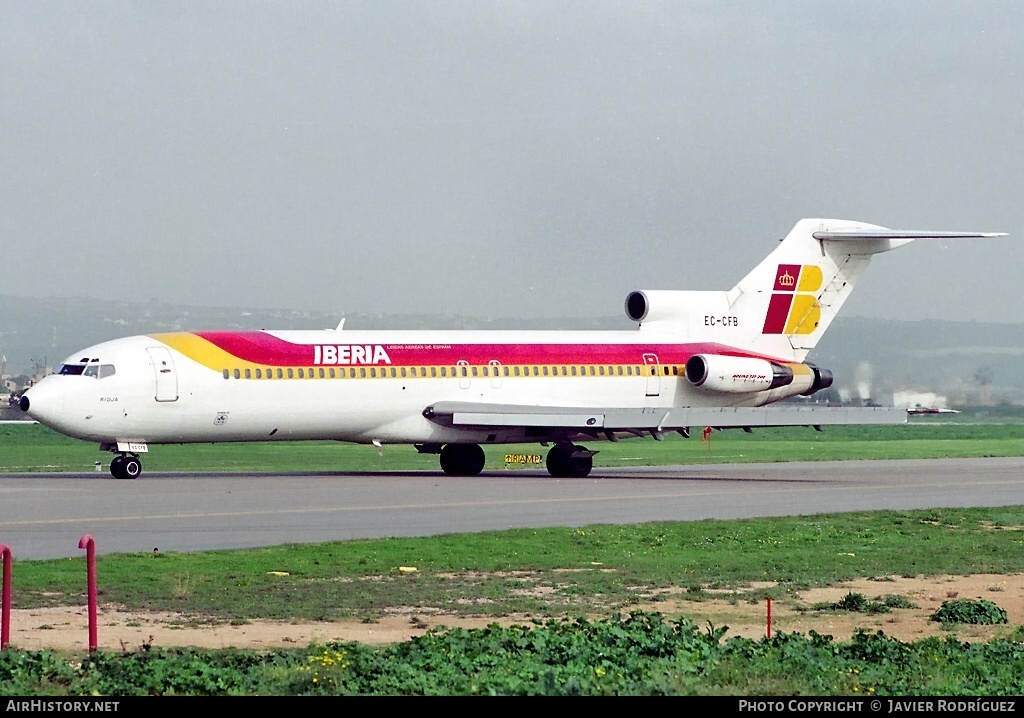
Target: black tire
[557,462]
[563,465]
[581,466]
[117,467]
[462,459]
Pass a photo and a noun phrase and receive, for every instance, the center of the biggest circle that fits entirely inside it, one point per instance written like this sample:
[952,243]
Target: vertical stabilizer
[799,288]
[782,307]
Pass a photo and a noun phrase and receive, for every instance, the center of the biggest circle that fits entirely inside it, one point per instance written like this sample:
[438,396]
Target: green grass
[547,574]
[34,448]
[541,572]
[639,654]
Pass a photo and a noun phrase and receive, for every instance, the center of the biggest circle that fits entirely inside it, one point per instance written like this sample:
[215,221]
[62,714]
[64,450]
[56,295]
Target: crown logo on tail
[794,309]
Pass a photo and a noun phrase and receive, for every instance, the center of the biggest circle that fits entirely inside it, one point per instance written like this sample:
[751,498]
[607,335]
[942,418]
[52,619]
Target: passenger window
[572,370]
[237,374]
[331,372]
[362,372]
[226,373]
[259,373]
[291,373]
[301,374]
[515,370]
[545,371]
[248,374]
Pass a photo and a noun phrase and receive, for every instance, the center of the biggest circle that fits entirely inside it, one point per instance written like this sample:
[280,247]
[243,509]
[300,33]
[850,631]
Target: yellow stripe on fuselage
[202,351]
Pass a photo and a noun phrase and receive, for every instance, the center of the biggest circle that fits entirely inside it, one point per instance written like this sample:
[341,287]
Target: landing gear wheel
[462,459]
[132,467]
[562,463]
[126,466]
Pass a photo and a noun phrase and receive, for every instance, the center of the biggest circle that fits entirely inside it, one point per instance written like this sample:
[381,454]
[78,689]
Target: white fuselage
[357,386]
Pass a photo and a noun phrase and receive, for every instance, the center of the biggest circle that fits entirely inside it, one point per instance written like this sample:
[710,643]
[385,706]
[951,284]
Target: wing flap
[468,414]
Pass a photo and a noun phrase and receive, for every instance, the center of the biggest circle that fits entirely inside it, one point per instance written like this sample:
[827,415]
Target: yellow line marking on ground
[471,504]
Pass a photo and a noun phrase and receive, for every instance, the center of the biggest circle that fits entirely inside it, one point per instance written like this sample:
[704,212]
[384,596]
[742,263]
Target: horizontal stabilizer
[853,234]
[467,414]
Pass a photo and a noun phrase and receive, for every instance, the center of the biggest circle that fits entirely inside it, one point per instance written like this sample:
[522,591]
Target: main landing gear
[126,466]
[570,461]
[462,459]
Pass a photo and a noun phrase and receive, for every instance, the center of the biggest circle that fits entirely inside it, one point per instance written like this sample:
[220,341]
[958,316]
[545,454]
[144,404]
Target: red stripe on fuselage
[268,350]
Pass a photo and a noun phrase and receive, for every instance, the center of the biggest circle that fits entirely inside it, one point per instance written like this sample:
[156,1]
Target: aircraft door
[463,373]
[495,376]
[166,377]
[653,370]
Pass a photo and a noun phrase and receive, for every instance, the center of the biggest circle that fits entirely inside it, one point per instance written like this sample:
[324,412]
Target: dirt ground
[67,628]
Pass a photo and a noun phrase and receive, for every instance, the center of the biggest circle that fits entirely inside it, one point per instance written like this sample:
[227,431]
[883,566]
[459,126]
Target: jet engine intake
[736,375]
[658,305]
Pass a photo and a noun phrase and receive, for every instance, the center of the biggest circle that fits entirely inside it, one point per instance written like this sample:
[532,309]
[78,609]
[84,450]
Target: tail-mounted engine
[744,375]
[658,305]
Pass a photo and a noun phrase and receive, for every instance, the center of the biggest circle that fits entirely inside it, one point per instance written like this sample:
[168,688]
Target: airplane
[916,410]
[696,358]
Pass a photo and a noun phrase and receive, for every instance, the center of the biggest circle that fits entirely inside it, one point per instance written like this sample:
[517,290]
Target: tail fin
[800,287]
[786,303]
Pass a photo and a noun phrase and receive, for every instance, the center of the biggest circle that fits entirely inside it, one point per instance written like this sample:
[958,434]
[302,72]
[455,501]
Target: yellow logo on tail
[794,307]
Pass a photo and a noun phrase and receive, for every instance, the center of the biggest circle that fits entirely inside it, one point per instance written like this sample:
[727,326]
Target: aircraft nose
[42,402]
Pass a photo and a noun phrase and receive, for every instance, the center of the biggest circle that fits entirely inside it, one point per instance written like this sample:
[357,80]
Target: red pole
[89,545]
[5,602]
[769,618]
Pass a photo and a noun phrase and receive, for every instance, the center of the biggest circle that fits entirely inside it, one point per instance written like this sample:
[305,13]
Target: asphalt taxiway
[45,515]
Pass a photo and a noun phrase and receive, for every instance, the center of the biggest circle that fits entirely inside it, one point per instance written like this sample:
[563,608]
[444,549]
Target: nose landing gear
[126,466]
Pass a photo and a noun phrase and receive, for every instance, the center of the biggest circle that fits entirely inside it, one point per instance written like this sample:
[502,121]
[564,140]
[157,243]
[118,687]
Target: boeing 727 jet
[696,358]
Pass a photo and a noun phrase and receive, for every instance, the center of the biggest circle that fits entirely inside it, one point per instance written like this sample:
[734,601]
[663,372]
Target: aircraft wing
[654,420]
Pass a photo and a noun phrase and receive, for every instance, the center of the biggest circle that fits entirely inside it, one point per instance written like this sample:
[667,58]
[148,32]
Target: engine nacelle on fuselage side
[743,375]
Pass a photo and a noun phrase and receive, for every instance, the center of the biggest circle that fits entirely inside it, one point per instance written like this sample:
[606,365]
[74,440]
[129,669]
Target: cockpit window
[97,371]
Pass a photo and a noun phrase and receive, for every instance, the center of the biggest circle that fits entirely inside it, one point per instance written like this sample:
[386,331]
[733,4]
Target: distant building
[912,399]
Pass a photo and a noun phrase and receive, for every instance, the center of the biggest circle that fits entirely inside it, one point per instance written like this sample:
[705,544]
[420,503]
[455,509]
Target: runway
[45,515]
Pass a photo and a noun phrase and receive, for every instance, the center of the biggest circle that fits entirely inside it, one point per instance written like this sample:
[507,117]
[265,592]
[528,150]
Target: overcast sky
[512,159]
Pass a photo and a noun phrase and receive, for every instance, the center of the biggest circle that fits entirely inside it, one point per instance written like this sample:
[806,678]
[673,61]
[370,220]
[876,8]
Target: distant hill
[872,356]
[944,357]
